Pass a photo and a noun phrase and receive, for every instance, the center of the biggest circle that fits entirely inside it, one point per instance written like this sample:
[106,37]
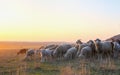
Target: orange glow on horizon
[39,20]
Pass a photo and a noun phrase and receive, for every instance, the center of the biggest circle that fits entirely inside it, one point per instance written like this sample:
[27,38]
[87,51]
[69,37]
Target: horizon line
[36,41]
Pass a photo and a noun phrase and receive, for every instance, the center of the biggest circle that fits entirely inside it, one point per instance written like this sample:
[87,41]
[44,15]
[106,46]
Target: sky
[58,20]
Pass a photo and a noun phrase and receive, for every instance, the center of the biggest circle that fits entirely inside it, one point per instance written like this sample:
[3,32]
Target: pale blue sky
[58,20]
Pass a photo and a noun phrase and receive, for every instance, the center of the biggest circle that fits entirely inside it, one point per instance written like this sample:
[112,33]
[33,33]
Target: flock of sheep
[90,49]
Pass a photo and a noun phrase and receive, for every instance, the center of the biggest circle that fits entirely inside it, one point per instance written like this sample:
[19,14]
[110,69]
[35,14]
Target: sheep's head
[97,44]
[97,41]
[78,42]
[90,42]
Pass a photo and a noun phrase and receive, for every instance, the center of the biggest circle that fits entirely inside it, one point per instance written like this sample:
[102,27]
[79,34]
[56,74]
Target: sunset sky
[58,20]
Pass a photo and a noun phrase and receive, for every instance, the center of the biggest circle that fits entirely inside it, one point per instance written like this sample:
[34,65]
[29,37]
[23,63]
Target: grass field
[11,64]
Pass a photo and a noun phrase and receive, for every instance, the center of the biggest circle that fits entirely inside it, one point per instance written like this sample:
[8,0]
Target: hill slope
[114,37]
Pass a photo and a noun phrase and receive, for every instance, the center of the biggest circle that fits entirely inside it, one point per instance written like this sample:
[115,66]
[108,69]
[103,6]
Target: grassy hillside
[114,37]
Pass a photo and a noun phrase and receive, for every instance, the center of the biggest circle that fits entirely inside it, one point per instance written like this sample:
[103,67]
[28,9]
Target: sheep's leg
[91,56]
[108,55]
[105,55]
[98,57]
[111,54]
[50,57]
[115,55]
[61,56]
[73,55]
[30,58]
[101,56]
[34,56]
[42,59]
[46,58]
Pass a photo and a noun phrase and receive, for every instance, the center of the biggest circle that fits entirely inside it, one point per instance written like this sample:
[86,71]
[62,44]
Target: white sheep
[30,54]
[116,49]
[104,48]
[61,50]
[71,53]
[89,50]
[46,54]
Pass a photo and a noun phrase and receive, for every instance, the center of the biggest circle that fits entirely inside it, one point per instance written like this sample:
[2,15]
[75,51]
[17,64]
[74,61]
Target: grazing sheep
[93,47]
[70,54]
[105,48]
[85,52]
[38,54]
[61,50]
[80,47]
[30,53]
[116,49]
[47,54]
[89,50]
[22,51]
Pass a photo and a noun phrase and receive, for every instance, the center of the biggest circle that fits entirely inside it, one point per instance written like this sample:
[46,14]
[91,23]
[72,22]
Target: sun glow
[37,20]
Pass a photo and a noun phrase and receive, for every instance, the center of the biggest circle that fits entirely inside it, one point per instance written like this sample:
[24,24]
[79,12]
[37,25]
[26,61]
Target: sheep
[85,52]
[93,47]
[61,50]
[43,52]
[38,54]
[46,54]
[104,48]
[30,53]
[22,51]
[88,51]
[80,47]
[70,54]
[118,41]
[116,48]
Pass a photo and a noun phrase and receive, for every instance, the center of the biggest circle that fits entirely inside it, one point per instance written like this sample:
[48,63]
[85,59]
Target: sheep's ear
[95,40]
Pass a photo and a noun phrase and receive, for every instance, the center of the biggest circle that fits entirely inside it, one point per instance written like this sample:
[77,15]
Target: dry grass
[10,64]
